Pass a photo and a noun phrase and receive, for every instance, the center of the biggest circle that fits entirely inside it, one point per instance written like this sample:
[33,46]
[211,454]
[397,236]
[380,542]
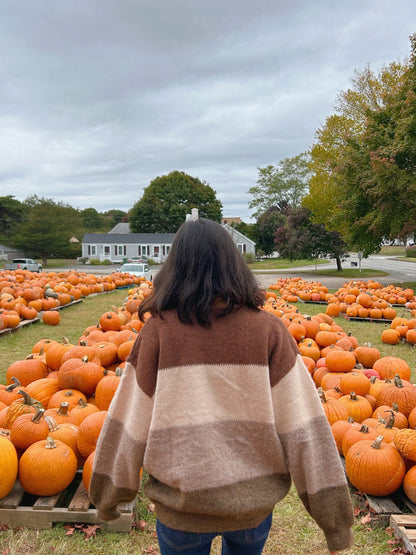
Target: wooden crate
[71,505]
[404,527]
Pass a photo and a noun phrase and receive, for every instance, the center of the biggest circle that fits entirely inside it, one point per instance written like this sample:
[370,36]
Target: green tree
[11,215]
[47,228]
[168,199]
[301,238]
[281,186]
[267,223]
[91,219]
[339,165]
[115,216]
[379,169]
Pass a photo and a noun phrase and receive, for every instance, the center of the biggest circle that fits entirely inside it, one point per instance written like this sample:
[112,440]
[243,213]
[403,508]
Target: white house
[119,244]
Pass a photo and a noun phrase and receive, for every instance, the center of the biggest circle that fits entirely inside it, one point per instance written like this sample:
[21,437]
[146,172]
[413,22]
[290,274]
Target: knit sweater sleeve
[122,441]
[310,451]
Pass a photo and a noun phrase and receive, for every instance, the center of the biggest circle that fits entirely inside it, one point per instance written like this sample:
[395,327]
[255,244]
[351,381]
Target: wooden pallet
[71,505]
[404,527]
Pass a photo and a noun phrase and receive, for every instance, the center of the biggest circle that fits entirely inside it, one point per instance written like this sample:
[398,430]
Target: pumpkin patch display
[69,393]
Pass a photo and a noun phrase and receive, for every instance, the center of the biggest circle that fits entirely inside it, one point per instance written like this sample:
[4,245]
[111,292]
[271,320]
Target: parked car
[138,259]
[137,269]
[24,264]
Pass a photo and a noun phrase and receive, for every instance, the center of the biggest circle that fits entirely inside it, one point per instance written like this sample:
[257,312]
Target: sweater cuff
[109,513]
[338,539]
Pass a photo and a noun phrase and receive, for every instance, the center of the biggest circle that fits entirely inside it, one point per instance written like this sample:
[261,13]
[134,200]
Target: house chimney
[193,216]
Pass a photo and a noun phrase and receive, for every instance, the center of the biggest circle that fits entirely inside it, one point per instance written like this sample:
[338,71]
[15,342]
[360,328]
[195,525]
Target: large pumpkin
[8,466]
[375,467]
[47,467]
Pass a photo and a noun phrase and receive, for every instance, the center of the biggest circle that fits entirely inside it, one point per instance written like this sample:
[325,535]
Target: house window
[107,251]
[167,249]
[120,250]
[92,250]
[139,250]
[163,250]
[156,250]
[242,247]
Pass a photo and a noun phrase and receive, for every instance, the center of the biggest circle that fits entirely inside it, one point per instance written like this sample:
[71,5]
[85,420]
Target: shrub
[411,252]
[249,257]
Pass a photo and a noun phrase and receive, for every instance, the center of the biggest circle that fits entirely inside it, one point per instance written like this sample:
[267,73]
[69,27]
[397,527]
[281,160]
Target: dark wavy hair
[203,265]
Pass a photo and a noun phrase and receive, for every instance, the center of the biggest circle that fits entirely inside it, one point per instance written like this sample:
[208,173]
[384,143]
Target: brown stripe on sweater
[232,507]
[104,496]
[258,338]
[210,393]
[229,451]
[326,506]
[303,442]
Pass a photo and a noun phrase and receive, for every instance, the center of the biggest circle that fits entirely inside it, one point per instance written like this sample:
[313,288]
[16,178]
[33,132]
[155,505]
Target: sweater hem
[202,523]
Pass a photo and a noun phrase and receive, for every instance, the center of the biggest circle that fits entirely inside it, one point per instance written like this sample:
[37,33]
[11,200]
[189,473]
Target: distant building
[231,221]
[119,244]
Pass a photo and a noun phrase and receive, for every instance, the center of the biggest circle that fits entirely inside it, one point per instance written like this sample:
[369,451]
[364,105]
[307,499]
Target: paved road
[397,270]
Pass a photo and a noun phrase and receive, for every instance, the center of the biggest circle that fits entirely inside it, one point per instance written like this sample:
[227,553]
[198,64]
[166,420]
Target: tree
[91,219]
[168,199]
[267,224]
[116,216]
[340,166]
[11,214]
[300,238]
[380,165]
[282,186]
[47,228]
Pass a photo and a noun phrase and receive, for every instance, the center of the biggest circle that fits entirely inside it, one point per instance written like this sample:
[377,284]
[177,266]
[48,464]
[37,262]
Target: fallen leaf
[366,519]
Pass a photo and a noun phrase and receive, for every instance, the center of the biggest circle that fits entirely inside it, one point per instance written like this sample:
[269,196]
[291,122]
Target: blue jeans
[241,542]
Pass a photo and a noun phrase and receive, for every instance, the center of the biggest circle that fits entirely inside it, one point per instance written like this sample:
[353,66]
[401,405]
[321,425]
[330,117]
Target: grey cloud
[98,98]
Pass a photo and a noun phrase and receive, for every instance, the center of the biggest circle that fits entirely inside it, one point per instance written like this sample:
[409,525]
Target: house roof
[122,227]
[232,231]
[129,238]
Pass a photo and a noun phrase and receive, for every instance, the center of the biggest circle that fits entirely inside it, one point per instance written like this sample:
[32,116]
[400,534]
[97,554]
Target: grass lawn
[293,531]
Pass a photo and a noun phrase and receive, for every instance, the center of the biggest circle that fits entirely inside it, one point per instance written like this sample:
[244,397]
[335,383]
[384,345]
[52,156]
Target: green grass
[283,263]
[347,273]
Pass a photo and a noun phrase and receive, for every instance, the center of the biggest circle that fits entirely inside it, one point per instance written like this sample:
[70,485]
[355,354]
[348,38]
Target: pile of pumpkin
[368,400]
[291,289]
[55,401]
[401,329]
[24,294]
[360,299]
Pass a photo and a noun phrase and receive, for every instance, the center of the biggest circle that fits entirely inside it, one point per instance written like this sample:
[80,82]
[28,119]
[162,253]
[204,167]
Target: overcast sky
[99,97]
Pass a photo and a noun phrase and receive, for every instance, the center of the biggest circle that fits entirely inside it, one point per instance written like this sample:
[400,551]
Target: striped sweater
[222,418]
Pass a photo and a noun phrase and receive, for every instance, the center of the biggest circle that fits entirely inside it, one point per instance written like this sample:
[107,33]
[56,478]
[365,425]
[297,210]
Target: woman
[217,406]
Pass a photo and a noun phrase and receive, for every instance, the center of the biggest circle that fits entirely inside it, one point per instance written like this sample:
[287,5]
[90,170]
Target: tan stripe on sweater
[197,394]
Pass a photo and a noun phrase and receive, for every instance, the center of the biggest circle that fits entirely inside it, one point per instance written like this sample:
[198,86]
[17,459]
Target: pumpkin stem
[397,381]
[63,408]
[395,407]
[364,429]
[52,424]
[82,403]
[322,395]
[391,420]
[353,396]
[12,386]
[50,444]
[27,399]
[38,415]
[377,442]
